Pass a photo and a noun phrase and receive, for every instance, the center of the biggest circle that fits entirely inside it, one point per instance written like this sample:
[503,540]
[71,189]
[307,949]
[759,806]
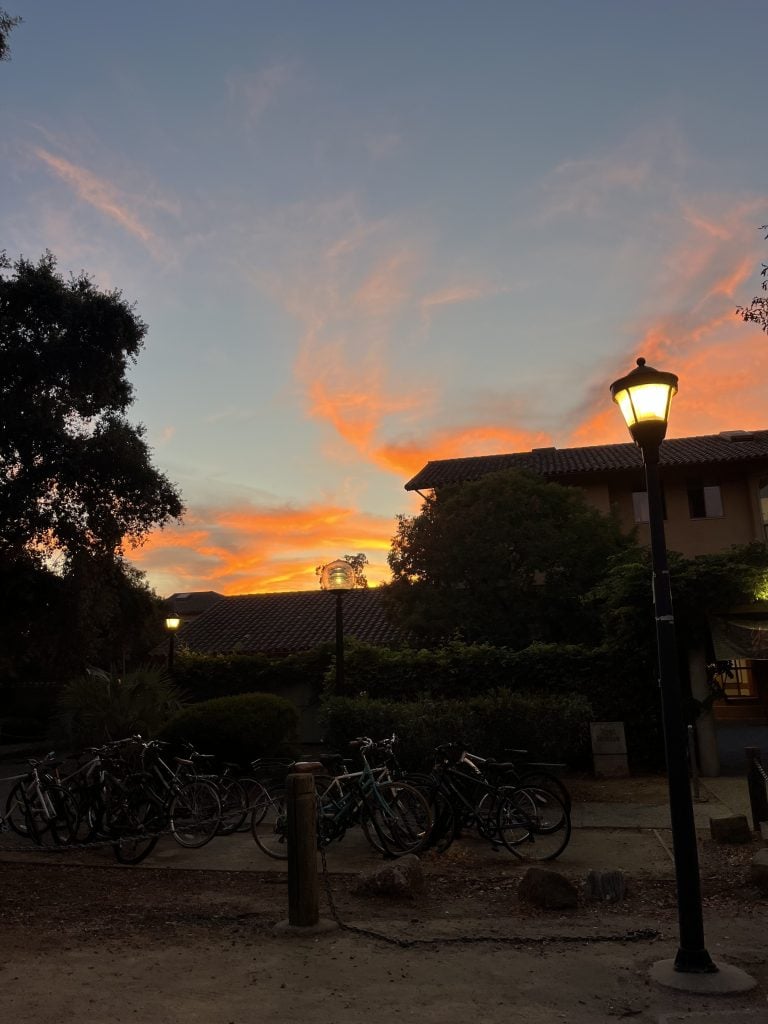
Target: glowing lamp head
[644,397]
[337,575]
[172,623]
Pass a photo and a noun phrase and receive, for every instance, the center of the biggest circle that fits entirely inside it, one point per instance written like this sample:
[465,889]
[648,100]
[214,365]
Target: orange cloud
[406,458]
[251,549]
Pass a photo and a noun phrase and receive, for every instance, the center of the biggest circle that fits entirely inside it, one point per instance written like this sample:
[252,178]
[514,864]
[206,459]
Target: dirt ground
[156,946]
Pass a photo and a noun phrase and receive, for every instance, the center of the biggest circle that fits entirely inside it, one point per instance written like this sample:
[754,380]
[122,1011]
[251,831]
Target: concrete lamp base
[726,980]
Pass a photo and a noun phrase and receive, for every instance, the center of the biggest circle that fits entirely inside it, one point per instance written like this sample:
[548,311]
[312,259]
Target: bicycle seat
[306,767]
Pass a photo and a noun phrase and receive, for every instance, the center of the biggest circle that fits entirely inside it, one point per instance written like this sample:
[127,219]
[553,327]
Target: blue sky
[365,235]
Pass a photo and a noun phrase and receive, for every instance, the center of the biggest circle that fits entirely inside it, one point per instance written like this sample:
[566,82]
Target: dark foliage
[505,560]
[238,729]
[551,727]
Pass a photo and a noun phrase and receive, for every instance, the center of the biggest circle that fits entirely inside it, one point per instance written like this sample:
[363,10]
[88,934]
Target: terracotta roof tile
[556,463]
[286,623]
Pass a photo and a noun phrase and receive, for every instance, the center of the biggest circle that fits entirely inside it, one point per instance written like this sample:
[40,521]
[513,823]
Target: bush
[102,706]
[551,728]
[238,728]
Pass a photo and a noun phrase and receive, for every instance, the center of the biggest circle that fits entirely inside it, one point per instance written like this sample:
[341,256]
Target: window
[640,505]
[739,681]
[704,501]
[763,495]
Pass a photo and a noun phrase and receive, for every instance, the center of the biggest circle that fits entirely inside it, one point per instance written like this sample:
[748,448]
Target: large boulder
[547,889]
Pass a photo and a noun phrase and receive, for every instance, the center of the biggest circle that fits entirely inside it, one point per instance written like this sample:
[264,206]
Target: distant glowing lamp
[337,575]
[172,623]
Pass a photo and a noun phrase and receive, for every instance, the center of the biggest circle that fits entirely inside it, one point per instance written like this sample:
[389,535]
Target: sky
[365,235]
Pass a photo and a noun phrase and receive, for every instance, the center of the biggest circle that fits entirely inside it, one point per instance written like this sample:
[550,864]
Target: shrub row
[551,728]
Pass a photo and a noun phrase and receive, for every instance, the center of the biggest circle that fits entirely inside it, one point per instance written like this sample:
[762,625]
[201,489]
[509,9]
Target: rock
[734,829]
[404,877]
[759,871]
[547,889]
[606,886]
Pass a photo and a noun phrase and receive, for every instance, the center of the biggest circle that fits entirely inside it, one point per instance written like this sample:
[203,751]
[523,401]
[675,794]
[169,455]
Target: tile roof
[732,446]
[286,623]
[193,602]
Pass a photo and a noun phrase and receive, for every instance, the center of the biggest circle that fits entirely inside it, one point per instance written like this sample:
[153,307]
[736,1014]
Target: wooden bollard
[303,884]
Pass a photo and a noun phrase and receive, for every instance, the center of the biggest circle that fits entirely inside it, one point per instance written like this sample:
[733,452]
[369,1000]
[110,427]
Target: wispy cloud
[258,90]
[722,362]
[109,199]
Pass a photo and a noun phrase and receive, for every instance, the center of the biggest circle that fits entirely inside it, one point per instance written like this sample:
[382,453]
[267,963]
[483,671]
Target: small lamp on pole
[172,623]
[338,576]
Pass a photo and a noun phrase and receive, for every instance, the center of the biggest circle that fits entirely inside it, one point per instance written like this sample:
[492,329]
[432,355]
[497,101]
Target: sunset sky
[369,234]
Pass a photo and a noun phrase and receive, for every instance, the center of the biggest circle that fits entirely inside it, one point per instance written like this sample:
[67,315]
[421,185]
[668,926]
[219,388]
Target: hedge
[551,728]
[206,676]
[618,688]
[239,728]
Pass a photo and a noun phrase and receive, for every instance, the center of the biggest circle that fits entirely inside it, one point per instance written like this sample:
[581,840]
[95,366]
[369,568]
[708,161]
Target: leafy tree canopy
[505,559]
[757,311]
[74,474]
[701,586]
[7,23]
[76,478]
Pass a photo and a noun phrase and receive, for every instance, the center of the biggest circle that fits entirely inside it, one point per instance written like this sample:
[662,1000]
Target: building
[715,491]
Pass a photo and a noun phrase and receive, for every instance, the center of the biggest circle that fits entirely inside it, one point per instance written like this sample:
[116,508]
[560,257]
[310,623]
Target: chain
[633,935]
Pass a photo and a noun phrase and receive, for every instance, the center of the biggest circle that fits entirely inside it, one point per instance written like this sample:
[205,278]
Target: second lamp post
[338,576]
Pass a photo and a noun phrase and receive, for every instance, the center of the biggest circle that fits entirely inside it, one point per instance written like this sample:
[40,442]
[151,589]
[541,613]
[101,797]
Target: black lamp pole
[692,955]
[339,642]
[171,645]
[644,397]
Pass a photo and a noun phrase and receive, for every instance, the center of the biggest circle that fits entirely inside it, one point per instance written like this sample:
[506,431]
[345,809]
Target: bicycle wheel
[61,829]
[256,801]
[270,828]
[139,820]
[398,819]
[16,810]
[234,805]
[533,824]
[194,813]
[545,780]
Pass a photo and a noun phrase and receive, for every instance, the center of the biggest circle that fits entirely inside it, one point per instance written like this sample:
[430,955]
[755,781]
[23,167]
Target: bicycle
[38,807]
[394,816]
[532,824]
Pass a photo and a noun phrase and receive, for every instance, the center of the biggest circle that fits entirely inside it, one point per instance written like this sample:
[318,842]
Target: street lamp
[172,623]
[644,397]
[338,576]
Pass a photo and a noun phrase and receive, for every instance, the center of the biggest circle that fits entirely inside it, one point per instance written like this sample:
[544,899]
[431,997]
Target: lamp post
[338,576]
[172,623]
[644,397]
